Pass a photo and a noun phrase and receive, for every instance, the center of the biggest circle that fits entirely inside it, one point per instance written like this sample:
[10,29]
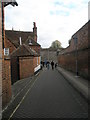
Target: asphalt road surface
[51,96]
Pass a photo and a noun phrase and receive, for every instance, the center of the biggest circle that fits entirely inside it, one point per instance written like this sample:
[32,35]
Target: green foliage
[56,44]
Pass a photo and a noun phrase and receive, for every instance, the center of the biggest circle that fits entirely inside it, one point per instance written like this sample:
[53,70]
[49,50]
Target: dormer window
[30,42]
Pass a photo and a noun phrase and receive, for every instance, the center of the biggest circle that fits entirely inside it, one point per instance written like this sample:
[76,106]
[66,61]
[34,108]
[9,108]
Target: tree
[56,44]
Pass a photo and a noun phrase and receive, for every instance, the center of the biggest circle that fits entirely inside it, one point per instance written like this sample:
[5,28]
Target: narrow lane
[51,97]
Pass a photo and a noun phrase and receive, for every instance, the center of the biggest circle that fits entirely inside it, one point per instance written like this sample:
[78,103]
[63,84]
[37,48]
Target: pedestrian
[41,64]
[55,65]
[52,64]
[48,65]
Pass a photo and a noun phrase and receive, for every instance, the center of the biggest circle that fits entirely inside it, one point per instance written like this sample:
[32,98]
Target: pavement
[18,88]
[79,83]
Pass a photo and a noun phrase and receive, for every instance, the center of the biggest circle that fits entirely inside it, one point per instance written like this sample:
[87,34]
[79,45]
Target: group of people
[47,64]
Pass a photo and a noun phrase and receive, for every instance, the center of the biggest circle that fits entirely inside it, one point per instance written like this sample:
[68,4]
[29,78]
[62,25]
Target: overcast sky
[55,19]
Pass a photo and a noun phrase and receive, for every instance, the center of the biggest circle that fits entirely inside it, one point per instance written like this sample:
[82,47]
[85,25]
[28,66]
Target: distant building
[49,54]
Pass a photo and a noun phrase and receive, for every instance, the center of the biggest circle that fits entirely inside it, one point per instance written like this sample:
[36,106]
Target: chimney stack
[35,31]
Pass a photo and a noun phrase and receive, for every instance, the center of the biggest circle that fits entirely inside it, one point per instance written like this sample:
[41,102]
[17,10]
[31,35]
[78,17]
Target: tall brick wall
[6,82]
[26,67]
[67,57]
[6,72]
[0,60]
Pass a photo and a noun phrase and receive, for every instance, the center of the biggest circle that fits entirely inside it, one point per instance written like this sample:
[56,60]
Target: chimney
[20,40]
[35,32]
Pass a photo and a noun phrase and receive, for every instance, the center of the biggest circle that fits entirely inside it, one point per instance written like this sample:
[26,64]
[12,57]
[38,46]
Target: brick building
[13,39]
[15,58]
[49,54]
[24,63]
[14,42]
[6,69]
[75,56]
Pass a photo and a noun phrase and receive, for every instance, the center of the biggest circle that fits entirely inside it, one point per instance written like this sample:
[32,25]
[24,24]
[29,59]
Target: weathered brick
[67,57]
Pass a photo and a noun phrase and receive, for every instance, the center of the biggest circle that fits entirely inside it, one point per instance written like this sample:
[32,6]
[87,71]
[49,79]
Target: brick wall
[26,67]
[6,82]
[67,57]
[0,60]
[6,75]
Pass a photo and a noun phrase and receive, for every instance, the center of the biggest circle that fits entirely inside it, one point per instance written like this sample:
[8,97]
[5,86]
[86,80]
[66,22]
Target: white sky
[55,19]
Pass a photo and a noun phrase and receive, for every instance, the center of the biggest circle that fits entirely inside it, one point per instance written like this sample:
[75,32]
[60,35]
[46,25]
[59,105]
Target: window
[6,51]
[30,42]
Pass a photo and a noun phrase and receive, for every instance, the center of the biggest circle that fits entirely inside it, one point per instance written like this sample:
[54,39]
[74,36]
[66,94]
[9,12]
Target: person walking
[55,65]
[52,64]
[48,65]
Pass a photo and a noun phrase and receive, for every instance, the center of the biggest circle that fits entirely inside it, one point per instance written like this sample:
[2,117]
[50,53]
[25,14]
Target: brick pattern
[0,60]
[26,67]
[6,82]
[67,57]
[6,75]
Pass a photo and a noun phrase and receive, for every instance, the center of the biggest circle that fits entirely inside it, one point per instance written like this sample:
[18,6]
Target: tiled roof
[13,37]
[23,50]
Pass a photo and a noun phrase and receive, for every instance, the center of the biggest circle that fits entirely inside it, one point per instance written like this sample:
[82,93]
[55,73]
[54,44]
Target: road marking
[22,100]
[16,95]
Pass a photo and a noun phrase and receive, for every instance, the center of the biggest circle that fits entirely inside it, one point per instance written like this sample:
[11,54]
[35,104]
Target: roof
[23,51]
[13,37]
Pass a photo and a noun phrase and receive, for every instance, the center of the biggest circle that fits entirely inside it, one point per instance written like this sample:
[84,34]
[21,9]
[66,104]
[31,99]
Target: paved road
[51,96]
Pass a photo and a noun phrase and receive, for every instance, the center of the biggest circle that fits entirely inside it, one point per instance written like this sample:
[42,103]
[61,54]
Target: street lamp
[76,53]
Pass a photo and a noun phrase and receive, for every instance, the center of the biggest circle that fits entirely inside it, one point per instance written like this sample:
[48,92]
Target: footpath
[79,83]
[20,87]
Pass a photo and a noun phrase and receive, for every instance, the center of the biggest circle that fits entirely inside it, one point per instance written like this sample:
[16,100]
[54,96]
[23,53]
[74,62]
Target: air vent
[6,51]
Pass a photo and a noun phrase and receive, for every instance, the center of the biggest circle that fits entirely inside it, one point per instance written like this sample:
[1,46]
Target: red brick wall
[0,59]
[6,82]
[67,57]
[6,76]
[9,45]
[35,61]
[26,67]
